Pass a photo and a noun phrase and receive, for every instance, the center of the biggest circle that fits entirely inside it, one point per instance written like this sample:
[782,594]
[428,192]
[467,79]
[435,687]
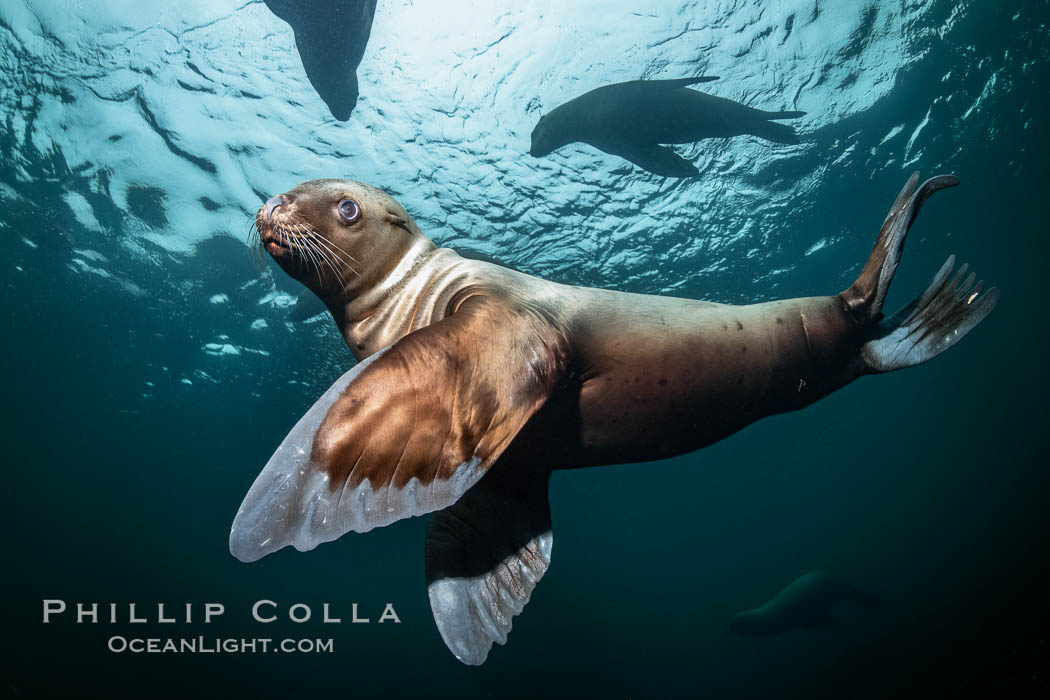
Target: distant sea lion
[805,603]
[331,36]
[633,119]
[476,381]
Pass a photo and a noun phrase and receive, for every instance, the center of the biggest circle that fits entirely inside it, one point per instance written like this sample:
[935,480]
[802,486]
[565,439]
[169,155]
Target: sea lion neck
[378,315]
[365,296]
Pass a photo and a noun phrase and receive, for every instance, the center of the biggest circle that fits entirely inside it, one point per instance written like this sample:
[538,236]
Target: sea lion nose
[272,203]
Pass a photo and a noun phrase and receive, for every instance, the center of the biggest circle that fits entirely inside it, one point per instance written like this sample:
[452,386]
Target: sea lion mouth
[274,239]
[275,248]
[274,244]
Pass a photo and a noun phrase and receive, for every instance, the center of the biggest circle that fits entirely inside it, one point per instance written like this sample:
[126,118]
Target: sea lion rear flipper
[485,555]
[405,432]
[935,320]
[657,159]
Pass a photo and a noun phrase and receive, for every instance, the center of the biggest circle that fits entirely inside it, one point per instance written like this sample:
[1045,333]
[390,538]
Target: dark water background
[927,486]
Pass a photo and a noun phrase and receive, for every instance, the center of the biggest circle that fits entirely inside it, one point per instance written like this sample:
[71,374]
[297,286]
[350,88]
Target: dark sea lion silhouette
[330,36]
[805,603]
[633,119]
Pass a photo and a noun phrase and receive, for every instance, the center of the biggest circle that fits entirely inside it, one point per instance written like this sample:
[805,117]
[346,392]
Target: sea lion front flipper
[657,159]
[405,432]
[485,555]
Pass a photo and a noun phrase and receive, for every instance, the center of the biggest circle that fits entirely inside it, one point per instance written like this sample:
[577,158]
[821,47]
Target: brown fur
[619,377]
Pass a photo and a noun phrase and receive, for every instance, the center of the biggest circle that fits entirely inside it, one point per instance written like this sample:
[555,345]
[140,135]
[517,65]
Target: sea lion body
[651,376]
[806,603]
[633,120]
[475,381]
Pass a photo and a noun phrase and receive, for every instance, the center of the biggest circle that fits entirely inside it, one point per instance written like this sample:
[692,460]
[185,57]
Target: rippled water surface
[153,366]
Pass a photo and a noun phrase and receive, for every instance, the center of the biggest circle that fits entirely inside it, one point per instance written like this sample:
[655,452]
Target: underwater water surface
[153,364]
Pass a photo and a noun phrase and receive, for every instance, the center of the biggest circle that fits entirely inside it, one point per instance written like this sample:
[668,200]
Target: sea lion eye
[349,210]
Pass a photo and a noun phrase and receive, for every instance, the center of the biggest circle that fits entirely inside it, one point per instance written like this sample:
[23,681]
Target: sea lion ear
[396,220]
[406,432]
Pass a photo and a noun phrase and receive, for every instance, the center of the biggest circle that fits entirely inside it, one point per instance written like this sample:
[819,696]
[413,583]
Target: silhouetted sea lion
[476,381]
[633,119]
[805,603]
[331,36]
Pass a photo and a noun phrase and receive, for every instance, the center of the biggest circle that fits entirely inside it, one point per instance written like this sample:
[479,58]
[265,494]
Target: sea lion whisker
[304,249]
[304,253]
[255,244]
[307,251]
[328,261]
[330,242]
[351,257]
[326,257]
[252,233]
[347,259]
[314,254]
[336,259]
[335,251]
[323,257]
[338,253]
[308,256]
[284,237]
[293,235]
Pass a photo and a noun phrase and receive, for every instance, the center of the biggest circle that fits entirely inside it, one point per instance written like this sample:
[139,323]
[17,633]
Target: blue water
[153,368]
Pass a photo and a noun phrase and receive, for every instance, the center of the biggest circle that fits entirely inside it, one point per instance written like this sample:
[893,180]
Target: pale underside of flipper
[933,322]
[405,432]
[291,502]
[484,557]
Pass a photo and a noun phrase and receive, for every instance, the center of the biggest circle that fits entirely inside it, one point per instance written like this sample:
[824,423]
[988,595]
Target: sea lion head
[549,134]
[340,238]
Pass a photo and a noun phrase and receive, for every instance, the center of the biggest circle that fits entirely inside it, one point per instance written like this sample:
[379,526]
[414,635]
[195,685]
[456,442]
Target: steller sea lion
[475,381]
[632,120]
